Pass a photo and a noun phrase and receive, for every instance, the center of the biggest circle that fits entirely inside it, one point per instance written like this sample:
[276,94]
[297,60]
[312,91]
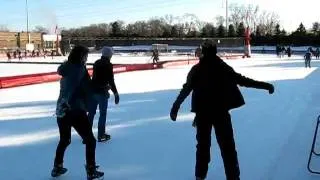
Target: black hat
[209,48]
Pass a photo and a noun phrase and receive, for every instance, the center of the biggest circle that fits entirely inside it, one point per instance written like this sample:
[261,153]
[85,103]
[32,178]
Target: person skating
[307,58]
[155,56]
[9,56]
[214,92]
[197,52]
[19,55]
[317,53]
[71,111]
[289,51]
[102,81]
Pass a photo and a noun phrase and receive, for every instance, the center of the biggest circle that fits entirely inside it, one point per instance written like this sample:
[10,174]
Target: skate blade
[100,178]
[104,140]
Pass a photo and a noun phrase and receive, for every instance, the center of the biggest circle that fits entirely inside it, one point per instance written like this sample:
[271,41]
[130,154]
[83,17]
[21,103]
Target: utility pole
[227,16]
[27,12]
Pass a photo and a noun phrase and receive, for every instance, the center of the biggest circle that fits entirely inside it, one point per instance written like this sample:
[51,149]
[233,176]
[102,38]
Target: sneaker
[58,170]
[104,137]
[93,173]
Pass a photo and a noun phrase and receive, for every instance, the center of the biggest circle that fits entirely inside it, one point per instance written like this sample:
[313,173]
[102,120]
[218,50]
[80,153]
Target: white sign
[51,37]
[30,47]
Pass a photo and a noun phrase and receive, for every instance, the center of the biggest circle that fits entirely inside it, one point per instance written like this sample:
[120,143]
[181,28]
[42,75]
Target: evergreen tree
[241,30]
[231,31]
[221,31]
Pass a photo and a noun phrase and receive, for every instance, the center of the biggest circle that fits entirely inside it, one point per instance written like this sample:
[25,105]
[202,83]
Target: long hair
[77,54]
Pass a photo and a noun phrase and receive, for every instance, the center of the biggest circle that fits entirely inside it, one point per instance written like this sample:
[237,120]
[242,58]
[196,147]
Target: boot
[198,178]
[58,170]
[92,173]
[104,137]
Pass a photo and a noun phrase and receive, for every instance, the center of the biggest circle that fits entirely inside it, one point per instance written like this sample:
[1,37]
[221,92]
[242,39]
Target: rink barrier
[30,79]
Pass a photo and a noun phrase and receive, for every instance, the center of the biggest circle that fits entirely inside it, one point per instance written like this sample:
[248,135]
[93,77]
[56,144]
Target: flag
[56,30]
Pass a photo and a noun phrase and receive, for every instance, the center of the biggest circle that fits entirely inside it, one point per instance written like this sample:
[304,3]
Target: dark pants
[307,63]
[224,134]
[79,121]
[102,101]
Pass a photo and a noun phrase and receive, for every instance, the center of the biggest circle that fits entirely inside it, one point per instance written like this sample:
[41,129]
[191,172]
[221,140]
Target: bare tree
[235,15]
[246,14]
[267,22]
[156,27]
[169,18]
[316,28]
[4,28]
[219,20]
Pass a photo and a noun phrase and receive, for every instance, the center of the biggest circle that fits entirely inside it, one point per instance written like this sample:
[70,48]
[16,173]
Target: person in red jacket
[214,87]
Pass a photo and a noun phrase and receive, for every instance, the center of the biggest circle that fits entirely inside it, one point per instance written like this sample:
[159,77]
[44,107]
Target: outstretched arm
[247,82]
[114,87]
[184,93]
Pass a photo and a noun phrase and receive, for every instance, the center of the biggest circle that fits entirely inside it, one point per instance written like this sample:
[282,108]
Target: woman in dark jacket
[71,111]
[214,86]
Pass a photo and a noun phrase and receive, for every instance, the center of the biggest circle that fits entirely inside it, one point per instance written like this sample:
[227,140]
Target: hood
[67,68]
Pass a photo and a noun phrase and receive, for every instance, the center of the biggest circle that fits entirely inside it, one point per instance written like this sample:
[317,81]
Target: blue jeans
[102,101]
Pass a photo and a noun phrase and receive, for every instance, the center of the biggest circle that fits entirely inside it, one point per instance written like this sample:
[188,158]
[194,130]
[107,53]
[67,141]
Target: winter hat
[209,48]
[107,51]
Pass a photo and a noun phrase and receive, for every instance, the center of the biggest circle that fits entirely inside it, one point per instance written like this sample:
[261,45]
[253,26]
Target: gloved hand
[270,88]
[116,98]
[174,111]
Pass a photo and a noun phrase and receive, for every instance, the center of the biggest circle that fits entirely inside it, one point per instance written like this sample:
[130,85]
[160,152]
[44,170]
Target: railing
[313,151]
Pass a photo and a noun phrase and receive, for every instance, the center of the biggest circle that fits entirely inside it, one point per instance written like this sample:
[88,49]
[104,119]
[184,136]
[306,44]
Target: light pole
[227,16]
[27,12]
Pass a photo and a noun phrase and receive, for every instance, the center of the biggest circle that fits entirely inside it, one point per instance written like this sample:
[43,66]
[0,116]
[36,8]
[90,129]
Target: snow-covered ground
[273,133]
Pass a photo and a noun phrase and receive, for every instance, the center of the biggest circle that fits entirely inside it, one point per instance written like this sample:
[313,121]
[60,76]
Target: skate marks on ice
[275,130]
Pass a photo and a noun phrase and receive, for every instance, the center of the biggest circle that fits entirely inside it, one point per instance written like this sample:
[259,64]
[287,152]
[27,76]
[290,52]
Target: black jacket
[103,77]
[214,85]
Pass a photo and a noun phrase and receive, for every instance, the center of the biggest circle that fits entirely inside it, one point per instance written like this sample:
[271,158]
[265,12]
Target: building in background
[10,41]
[51,42]
[19,40]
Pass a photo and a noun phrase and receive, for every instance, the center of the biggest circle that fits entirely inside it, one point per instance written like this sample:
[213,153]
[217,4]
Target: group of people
[76,106]
[281,51]
[214,87]
[34,53]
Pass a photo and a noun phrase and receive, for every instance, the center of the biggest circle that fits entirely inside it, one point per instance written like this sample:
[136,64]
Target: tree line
[265,28]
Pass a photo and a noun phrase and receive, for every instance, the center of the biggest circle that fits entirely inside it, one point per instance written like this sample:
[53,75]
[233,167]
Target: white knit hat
[107,51]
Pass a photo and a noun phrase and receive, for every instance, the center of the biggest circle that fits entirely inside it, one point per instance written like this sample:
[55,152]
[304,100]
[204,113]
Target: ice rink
[273,133]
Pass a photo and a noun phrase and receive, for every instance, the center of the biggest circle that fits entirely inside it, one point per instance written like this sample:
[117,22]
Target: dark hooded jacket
[214,86]
[103,76]
[75,92]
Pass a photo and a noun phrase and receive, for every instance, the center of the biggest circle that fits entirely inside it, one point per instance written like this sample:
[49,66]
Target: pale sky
[75,13]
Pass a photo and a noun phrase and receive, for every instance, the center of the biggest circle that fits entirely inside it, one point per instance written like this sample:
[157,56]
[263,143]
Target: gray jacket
[75,90]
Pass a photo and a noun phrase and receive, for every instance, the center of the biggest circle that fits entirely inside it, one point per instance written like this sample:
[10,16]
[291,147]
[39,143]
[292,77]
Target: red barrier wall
[22,80]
